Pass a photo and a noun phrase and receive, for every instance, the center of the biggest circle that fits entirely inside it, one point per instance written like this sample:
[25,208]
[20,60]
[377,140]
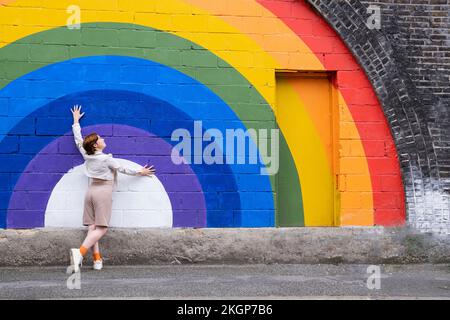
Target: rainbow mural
[142,69]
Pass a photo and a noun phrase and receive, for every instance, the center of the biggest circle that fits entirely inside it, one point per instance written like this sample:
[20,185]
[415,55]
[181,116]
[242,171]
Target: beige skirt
[98,203]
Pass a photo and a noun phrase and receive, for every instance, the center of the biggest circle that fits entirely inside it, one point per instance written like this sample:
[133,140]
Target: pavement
[249,282]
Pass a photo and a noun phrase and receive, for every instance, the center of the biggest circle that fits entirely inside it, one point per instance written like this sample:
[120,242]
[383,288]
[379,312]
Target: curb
[348,245]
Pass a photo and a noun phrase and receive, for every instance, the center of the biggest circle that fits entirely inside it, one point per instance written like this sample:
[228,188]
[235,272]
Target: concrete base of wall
[229,246]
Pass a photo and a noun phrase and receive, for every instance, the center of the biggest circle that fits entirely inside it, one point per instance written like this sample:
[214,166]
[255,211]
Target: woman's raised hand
[147,171]
[76,112]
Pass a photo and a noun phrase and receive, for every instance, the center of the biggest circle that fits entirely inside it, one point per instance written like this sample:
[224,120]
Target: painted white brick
[148,205]
[142,183]
[57,200]
[75,180]
[74,198]
[140,200]
[64,219]
[147,219]
[117,218]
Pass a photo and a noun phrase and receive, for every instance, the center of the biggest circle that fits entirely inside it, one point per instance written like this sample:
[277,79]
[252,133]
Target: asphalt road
[228,282]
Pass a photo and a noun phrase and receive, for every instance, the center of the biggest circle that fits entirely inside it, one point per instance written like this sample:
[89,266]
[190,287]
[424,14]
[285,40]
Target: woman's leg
[95,248]
[95,233]
[94,236]
[101,195]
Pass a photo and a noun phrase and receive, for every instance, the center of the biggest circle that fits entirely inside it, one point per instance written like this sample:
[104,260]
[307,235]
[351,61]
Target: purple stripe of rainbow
[32,191]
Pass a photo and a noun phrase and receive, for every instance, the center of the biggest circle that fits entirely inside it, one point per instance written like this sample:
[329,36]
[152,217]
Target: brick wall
[408,63]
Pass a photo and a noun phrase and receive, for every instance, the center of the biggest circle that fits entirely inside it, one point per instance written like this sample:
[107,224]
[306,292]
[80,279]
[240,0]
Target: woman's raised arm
[76,129]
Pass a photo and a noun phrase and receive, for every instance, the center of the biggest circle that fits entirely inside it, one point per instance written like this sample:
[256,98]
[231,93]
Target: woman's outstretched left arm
[113,164]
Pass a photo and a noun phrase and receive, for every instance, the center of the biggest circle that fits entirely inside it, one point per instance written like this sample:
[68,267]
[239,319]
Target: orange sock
[83,251]
[96,256]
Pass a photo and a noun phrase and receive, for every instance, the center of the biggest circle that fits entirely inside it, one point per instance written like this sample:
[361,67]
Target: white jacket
[99,165]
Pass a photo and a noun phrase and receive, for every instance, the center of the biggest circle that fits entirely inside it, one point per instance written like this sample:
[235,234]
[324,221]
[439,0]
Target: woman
[102,170]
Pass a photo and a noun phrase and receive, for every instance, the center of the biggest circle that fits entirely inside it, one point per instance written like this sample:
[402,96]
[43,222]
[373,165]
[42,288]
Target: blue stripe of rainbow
[190,99]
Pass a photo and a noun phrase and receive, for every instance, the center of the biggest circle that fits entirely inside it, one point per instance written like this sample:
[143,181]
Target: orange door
[300,98]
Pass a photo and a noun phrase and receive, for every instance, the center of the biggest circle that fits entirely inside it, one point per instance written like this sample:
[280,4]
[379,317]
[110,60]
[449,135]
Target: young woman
[102,171]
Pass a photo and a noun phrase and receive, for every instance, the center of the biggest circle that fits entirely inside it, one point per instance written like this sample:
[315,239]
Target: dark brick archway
[415,100]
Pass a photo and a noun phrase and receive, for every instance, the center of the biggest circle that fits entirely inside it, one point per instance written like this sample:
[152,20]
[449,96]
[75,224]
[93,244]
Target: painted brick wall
[228,52]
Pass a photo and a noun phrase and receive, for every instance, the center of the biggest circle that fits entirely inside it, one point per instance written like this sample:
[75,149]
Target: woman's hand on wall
[76,112]
[147,171]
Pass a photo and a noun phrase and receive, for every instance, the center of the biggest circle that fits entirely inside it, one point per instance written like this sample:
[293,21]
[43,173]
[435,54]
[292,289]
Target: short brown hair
[88,143]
